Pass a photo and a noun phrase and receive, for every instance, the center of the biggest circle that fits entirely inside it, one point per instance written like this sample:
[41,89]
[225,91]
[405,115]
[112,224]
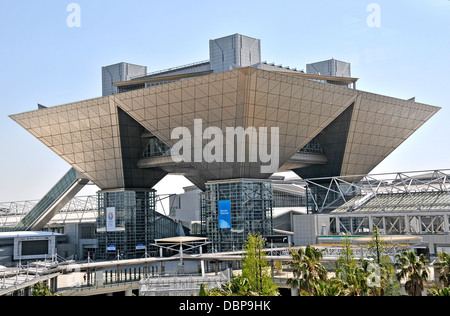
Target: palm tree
[307,269]
[439,292]
[354,282]
[414,270]
[444,268]
[352,277]
[323,288]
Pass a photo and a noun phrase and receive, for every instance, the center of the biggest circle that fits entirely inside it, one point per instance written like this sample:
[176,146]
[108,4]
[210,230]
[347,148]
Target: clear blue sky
[44,61]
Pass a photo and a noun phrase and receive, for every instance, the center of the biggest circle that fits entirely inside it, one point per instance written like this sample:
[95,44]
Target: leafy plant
[439,292]
[256,269]
[444,268]
[414,270]
[255,279]
[307,269]
[42,289]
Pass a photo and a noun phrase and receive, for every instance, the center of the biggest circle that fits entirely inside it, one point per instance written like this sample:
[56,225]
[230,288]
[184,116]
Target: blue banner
[224,214]
[110,247]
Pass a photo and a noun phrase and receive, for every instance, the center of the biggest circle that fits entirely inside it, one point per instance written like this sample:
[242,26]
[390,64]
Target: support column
[407,225]
[129,292]
[117,207]
[446,223]
[338,225]
[202,263]
[118,272]
[228,227]
[370,223]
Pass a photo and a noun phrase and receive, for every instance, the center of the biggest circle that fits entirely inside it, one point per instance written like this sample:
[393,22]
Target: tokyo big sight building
[122,141]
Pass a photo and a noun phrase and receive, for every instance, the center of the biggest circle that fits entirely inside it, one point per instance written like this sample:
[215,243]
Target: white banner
[110,219]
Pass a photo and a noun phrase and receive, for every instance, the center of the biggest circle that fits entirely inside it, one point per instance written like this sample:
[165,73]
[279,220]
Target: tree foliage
[388,285]
[42,289]
[414,270]
[256,269]
[307,270]
[439,292]
[255,279]
[352,277]
[444,268]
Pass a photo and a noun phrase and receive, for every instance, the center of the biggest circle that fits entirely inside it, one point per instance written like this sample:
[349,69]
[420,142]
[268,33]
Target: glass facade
[48,200]
[137,224]
[251,211]
[156,148]
[328,197]
[313,147]
[285,199]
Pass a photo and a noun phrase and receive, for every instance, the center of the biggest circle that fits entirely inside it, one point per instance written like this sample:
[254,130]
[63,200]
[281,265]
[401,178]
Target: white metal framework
[180,285]
[415,203]
[79,209]
[382,189]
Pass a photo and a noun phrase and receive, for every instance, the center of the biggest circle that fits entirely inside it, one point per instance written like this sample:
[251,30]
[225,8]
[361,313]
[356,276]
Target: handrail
[169,69]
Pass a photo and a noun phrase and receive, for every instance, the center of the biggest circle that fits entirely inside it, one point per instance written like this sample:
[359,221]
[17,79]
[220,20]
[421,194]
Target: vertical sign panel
[224,214]
[110,219]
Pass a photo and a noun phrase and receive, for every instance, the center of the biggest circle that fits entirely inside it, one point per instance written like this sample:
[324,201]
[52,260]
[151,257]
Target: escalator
[52,202]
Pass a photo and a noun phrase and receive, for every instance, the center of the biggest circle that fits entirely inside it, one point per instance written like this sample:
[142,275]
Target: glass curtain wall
[137,224]
[251,204]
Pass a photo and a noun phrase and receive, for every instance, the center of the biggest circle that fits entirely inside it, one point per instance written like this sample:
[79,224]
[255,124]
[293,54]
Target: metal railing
[150,74]
[180,285]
